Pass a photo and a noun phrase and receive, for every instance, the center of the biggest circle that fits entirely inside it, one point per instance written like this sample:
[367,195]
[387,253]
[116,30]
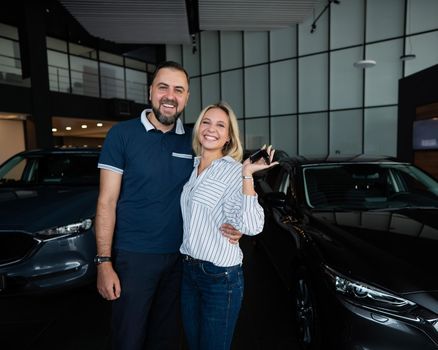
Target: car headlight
[366,295]
[70,229]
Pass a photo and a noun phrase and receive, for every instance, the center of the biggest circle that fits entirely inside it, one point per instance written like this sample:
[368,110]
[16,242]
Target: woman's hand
[250,168]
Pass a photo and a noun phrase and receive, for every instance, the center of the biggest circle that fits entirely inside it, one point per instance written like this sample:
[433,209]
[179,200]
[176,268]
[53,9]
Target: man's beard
[166,120]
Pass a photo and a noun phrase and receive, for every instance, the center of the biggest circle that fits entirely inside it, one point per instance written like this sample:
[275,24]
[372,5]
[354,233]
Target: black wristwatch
[100,259]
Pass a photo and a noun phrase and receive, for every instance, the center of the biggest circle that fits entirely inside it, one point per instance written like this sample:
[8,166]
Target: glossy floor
[79,319]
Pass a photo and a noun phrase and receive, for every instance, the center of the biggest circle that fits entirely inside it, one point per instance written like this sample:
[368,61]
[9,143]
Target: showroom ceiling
[166,21]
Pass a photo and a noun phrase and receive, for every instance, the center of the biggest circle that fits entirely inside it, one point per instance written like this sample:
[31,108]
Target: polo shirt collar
[179,129]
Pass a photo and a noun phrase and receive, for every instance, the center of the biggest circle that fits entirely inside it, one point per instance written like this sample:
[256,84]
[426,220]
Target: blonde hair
[233,147]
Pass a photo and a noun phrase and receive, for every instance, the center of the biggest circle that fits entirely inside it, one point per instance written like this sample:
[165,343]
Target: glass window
[385,19]
[84,76]
[173,53]
[347,23]
[8,31]
[313,133]
[84,51]
[317,41]
[232,90]
[381,81]
[256,47]
[346,132]
[256,91]
[425,47]
[256,133]
[194,105]
[136,86]
[209,52]
[313,83]
[10,63]
[112,81]
[381,131]
[210,89]
[422,15]
[59,79]
[231,50]
[283,43]
[110,58]
[135,64]
[191,60]
[56,44]
[345,80]
[284,87]
[284,134]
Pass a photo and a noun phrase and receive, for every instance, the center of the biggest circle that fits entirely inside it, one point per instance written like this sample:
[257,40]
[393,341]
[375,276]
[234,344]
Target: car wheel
[308,331]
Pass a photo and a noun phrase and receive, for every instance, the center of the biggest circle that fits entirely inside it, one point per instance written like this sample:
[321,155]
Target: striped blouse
[211,199]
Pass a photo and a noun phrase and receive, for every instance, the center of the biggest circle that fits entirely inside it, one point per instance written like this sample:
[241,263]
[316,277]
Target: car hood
[394,250]
[34,209]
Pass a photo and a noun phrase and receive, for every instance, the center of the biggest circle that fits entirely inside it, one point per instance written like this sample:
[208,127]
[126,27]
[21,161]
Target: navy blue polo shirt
[154,168]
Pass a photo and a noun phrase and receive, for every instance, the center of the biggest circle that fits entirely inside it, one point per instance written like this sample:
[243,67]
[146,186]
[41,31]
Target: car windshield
[373,186]
[50,169]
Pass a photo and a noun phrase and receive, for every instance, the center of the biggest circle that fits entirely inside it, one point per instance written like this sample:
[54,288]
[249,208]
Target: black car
[47,210]
[355,240]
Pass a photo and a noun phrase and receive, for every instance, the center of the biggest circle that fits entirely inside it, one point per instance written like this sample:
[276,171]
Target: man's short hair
[170,65]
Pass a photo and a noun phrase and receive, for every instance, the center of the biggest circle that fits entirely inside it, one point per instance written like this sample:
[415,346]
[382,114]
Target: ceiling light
[83,126]
[68,128]
[364,63]
[408,57]
[54,129]
[99,125]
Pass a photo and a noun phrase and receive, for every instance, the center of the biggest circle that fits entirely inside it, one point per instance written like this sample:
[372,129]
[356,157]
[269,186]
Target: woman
[220,190]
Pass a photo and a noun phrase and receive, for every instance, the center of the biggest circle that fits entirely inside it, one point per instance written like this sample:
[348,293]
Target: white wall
[11,138]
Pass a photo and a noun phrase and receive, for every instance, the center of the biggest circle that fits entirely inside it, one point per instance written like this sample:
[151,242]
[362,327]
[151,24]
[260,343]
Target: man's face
[169,93]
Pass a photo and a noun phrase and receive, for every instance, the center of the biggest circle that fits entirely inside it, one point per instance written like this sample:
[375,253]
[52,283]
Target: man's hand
[108,283]
[231,233]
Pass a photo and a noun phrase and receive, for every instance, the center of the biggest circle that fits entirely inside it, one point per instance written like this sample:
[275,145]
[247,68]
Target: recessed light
[99,124]
[54,129]
[83,126]
[68,128]
[364,63]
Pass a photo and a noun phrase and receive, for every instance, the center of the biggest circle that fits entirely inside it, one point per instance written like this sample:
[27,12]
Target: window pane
[84,76]
[256,47]
[84,51]
[112,81]
[317,41]
[110,58]
[136,87]
[56,44]
[381,131]
[381,81]
[426,48]
[284,87]
[173,53]
[313,89]
[256,133]
[283,43]
[422,15]
[58,71]
[345,79]
[346,132]
[313,133]
[232,90]
[210,52]
[191,60]
[347,23]
[9,31]
[256,91]
[210,90]
[138,65]
[231,50]
[194,105]
[284,134]
[384,19]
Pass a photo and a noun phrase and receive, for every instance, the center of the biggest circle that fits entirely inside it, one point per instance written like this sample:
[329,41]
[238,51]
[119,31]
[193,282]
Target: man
[144,164]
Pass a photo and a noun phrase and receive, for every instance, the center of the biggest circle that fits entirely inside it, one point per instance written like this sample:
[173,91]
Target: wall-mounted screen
[425,134]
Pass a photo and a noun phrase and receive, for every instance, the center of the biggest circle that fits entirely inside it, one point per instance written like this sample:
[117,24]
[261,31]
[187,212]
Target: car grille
[15,246]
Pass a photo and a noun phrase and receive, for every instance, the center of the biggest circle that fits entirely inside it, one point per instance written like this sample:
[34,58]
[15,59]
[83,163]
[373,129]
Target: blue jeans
[210,302]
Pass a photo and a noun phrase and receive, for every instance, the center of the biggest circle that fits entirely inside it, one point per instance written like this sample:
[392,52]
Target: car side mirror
[276,199]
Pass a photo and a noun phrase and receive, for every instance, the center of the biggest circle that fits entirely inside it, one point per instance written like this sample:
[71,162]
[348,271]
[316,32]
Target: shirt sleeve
[112,154]
[243,211]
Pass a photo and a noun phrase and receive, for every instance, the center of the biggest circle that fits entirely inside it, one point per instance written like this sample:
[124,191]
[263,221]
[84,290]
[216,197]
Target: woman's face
[213,130]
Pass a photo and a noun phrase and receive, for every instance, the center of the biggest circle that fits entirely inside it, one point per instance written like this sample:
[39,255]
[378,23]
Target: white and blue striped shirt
[214,198]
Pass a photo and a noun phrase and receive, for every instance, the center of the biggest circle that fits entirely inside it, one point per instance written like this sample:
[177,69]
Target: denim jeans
[211,297]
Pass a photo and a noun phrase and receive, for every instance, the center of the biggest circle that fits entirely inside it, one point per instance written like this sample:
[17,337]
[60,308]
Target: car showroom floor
[79,319]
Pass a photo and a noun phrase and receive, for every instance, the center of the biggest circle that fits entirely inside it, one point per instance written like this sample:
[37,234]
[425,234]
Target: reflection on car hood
[395,250]
[34,209]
